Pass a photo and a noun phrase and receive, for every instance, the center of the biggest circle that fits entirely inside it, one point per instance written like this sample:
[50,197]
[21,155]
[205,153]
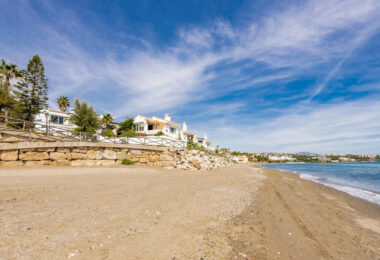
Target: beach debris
[289,233]
[72,254]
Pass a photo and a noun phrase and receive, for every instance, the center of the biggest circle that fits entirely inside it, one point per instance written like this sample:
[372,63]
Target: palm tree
[84,116]
[63,102]
[107,118]
[9,71]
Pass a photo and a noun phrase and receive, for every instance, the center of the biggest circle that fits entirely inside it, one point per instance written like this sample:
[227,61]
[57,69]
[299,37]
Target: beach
[242,212]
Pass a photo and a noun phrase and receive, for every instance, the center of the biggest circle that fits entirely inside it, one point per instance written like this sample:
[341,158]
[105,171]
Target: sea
[361,180]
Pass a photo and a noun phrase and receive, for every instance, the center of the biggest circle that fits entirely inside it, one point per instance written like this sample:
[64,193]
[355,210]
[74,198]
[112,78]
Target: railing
[43,131]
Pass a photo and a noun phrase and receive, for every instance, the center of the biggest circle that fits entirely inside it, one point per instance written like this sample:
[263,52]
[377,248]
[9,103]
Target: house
[186,135]
[153,125]
[205,143]
[53,119]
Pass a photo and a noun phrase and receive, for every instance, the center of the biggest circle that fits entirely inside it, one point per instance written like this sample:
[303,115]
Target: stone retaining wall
[97,154]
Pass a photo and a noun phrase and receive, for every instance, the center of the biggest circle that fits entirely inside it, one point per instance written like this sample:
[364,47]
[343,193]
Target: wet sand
[150,213]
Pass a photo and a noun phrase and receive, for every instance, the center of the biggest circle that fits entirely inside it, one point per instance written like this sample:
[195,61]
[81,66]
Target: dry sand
[146,213]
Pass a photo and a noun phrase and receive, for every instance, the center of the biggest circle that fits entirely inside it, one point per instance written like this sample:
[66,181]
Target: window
[172,130]
[57,119]
[139,127]
[150,127]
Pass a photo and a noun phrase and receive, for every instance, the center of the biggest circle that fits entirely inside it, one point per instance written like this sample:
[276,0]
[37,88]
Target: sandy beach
[149,213]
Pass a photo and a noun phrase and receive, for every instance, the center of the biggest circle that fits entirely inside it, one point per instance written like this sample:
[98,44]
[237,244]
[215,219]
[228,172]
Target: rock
[79,150]
[32,163]
[107,162]
[9,155]
[165,157]
[135,151]
[144,160]
[109,155]
[75,156]
[62,163]
[94,155]
[154,158]
[63,150]
[121,155]
[196,164]
[11,163]
[58,156]
[41,156]
[28,156]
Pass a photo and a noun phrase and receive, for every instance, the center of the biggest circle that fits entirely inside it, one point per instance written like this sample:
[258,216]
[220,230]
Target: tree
[31,91]
[9,71]
[125,126]
[63,102]
[6,98]
[107,119]
[84,116]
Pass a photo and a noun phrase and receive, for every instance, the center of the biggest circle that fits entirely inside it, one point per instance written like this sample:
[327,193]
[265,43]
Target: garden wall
[104,154]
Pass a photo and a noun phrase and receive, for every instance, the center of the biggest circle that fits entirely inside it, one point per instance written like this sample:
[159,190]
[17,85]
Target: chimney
[168,117]
[205,137]
[184,127]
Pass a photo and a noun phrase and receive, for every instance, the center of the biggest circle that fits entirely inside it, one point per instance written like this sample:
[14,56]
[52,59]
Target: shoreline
[295,218]
[352,191]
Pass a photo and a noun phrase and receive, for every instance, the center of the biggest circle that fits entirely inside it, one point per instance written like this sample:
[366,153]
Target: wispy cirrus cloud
[215,66]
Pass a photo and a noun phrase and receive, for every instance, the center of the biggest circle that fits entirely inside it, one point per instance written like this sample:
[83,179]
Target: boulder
[41,156]
[165,157]
[121,155]
[9,155]
[144,160]
[107,162]
[11,163]
[196,164]
[28,156]
[63,150]
[58,156]
[109,155]
[61,163]
[94,155]
[76,156]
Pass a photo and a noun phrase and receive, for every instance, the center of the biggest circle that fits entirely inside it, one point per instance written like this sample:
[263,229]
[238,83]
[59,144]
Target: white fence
[145,140]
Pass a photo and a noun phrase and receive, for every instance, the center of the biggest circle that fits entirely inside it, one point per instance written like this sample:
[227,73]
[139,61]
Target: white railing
[145,140]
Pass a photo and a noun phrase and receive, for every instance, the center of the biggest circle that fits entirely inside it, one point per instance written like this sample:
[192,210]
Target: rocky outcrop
[93,155]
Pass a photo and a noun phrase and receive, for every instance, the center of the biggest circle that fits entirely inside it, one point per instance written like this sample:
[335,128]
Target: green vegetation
[305,158]
[108,133]
[84,116]
[160,133]
[127,162]
[63,103]
[129,133]
[6,98]
[126,126]
[31,91]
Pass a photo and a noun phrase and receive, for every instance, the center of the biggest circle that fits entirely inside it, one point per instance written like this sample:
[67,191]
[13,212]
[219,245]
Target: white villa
[54,119]
[153,125]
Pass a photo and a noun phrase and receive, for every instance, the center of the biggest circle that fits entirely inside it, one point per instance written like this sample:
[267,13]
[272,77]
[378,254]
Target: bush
[160,133]
[129,133]
[127,162]
[125,126]
[108,133]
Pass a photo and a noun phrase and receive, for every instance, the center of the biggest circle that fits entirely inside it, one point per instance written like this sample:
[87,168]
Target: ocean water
[357,179]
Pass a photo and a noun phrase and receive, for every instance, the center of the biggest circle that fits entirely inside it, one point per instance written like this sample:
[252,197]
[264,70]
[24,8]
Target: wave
[356,192]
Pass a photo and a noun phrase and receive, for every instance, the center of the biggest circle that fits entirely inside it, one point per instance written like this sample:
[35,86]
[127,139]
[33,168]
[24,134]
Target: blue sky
[284,76]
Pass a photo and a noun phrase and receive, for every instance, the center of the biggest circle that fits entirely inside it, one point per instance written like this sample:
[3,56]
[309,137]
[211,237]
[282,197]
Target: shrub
[129,133]
[160,133]
[108,133]
[127,162]
[125,126]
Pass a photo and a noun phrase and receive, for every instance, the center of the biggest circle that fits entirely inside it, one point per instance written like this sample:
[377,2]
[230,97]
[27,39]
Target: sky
[255,76]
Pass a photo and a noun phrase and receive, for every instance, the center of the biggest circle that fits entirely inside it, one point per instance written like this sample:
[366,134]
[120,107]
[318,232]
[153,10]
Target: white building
[53,120]
[186,135]
[153,125]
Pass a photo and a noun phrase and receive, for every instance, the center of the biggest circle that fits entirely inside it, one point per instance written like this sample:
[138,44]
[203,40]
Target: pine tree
[31,91]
